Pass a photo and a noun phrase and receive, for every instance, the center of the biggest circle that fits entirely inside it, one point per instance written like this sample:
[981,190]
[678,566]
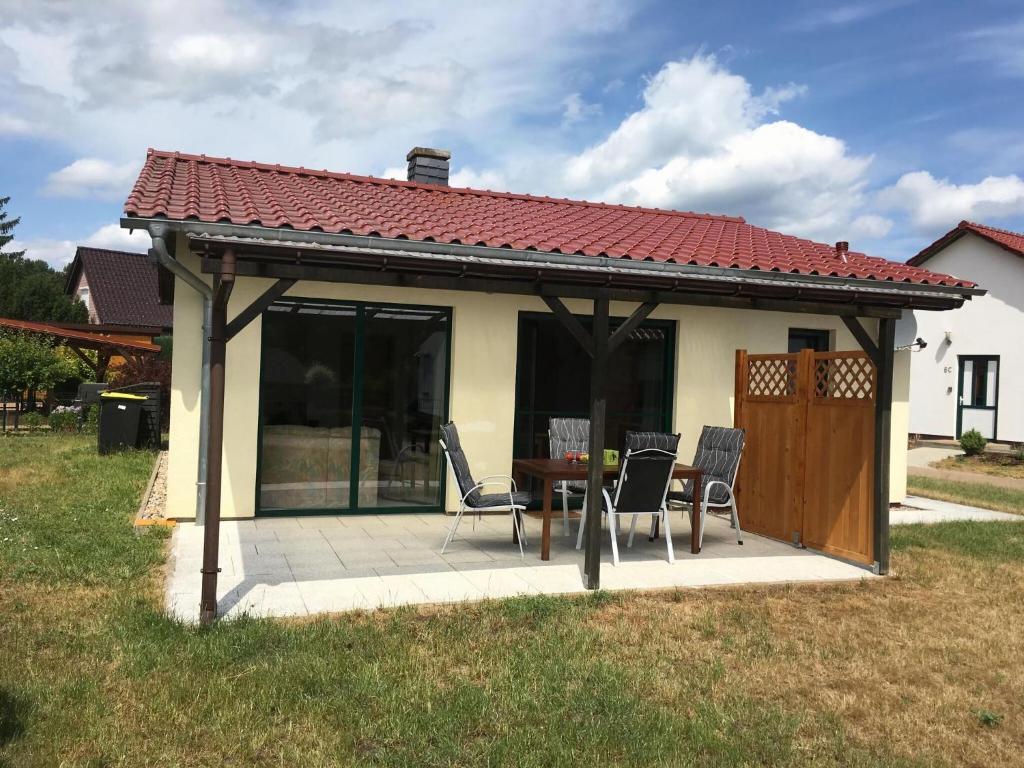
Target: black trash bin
[149,418]
[119,421]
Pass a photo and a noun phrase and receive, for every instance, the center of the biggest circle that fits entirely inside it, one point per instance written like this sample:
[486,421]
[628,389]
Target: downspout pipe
[159,232]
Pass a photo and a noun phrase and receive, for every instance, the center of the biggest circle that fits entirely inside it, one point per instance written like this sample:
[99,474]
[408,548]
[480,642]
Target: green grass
[92,673]
[972,494]
[1001,542]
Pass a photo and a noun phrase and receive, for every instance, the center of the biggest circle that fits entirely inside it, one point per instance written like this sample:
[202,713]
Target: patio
[300,566]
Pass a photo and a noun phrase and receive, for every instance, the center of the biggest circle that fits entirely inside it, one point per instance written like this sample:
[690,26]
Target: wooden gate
[807,471]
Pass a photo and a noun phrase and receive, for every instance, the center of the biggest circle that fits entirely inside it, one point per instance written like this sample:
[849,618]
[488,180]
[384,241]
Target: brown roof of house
[215,190]
[123,287]
[84,339]
[1004,238]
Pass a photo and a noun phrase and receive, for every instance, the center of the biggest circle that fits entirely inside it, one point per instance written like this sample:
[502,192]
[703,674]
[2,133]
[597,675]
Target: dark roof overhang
[283,252]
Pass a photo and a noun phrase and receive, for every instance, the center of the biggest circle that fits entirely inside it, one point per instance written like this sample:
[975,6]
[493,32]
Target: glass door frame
[358,371]
[994,407]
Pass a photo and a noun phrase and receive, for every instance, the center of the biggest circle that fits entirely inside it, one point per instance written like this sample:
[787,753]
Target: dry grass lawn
[924,668]
[991,463]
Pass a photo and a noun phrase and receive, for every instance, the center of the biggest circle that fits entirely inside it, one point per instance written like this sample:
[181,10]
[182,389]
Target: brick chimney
[842,248]
[428,165]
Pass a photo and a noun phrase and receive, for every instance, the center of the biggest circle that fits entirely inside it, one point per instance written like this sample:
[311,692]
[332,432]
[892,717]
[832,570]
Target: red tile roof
[1011,241]
[211,189]
[122,286]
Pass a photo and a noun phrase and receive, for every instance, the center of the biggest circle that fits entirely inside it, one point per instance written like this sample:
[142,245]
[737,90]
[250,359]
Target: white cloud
[576,109]
[703,140]
[939,204]
[92,177]
[843,14]
[348,87]
[58,253]
[999,46]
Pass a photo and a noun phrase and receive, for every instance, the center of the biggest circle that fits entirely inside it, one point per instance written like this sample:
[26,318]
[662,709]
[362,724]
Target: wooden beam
[254,310]
[573,325]
[622,332]
[85,359]
[728,300]
[863,338]
[883,444]
[595,468]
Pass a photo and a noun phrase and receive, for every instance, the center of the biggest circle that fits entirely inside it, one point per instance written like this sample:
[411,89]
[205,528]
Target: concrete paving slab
[385,562]
[936,511]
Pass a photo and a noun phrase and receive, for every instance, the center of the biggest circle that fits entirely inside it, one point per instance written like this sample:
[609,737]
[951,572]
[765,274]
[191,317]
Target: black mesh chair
[568,435]
[718,455]
[470,490]
[644,477]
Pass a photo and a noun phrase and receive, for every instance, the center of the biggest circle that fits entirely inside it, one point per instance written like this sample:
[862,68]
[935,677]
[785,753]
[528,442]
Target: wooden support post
[595,473]
[883,440]
[211,527]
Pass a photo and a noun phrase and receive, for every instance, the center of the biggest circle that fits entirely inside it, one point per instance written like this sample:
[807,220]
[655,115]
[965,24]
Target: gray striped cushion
[663,441]
[718,454]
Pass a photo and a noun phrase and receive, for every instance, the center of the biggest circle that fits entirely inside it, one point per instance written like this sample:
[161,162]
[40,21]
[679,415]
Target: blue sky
[882,122]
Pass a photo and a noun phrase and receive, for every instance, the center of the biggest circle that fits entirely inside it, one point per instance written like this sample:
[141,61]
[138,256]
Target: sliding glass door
[351,400]
[553,380]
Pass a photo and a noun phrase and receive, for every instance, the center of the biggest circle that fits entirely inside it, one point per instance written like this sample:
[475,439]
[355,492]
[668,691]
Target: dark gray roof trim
[257,236]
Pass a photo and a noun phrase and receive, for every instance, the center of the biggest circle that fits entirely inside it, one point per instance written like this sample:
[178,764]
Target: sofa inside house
[305,467]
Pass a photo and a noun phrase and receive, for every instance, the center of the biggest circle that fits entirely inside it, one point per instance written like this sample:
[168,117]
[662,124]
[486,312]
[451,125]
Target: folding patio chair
[472,499]
[644,477]
[718,454]
[568,435]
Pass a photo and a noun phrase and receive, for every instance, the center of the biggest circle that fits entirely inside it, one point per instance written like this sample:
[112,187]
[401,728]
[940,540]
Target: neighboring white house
[971,374]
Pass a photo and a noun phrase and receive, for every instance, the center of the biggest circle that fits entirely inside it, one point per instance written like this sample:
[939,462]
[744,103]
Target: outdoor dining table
[551,471]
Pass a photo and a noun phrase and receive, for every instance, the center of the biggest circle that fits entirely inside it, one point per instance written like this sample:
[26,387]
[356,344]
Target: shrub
[64,418]
[972,442]
[31,420]
[1017,451]
[92,419]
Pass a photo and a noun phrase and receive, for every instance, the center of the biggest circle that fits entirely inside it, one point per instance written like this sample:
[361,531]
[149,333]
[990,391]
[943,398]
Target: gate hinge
[796,540]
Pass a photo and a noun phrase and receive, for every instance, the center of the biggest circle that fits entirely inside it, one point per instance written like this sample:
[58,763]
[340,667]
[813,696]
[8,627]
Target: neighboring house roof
[1004,238]
[220,190]
[84,339]
[122,287]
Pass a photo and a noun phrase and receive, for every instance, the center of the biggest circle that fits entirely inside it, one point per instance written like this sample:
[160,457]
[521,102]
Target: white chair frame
[729,504]
[657,516]
[562,487]
[508,483]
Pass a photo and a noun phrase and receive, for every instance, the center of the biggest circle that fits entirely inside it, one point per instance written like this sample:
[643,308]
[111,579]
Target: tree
[32,362]
[6,230]
[31,289]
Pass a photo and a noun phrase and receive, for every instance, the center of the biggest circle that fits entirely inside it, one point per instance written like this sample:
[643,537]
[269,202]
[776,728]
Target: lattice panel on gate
[844,378]
[771,377]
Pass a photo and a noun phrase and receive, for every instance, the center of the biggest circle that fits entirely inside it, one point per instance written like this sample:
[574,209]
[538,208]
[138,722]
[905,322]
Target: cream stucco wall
[483,367]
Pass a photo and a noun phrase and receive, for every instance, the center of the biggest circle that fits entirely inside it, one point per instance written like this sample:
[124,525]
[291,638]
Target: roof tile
[210,189]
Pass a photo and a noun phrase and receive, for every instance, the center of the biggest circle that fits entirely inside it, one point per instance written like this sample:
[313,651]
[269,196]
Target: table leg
[695,526]
[545,539]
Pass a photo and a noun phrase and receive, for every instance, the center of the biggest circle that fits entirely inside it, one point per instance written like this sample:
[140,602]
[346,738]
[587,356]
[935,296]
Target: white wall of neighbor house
[483,368]
[992,324]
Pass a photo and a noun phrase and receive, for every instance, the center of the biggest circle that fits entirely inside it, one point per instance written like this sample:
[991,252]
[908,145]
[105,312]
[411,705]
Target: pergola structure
[78,341]
[229,251]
